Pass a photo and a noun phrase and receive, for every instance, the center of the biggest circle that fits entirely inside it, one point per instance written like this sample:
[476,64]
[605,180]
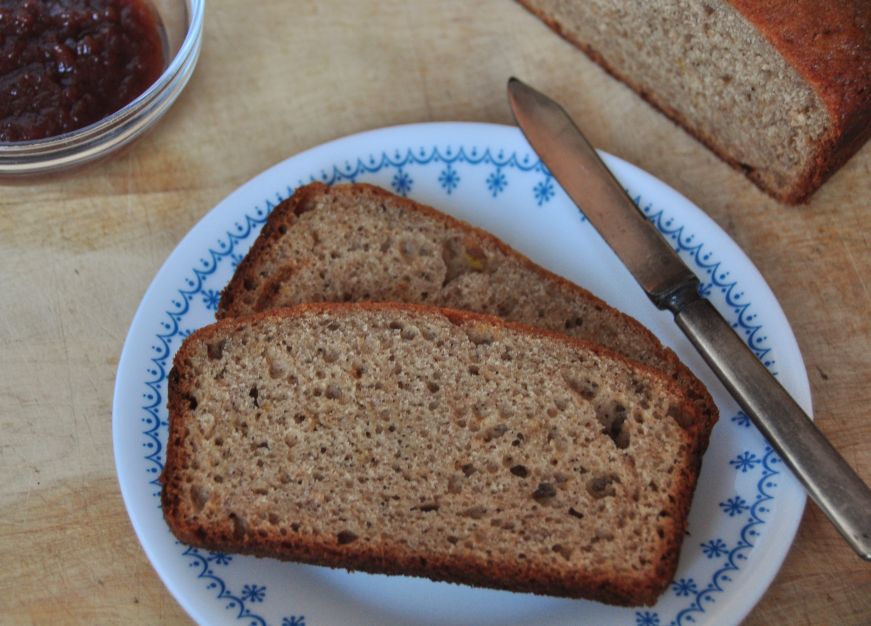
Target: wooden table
[277,77]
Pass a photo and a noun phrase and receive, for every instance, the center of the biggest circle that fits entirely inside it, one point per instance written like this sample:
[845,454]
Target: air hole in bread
[254,393]
[563,551]
[505,308]
[602,486]
[333,392]
[573,322]
[475,512]
[544,492]
[216,350]
[192,402]
[612,416]
[346,537]
[560,478]
[494,432]
[302,207]
[586,388]
[427,507]
[519,470]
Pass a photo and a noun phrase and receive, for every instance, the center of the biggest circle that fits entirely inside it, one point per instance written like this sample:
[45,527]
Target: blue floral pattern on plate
[493,169]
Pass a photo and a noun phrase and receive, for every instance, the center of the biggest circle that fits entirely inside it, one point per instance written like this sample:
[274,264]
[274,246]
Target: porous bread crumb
[418,441]
[352,243]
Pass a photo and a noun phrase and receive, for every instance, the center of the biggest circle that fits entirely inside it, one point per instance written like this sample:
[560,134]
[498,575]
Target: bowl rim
[56,145]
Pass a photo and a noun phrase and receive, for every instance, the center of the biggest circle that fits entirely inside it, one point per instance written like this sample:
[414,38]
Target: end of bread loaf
[780,91]
[428,442]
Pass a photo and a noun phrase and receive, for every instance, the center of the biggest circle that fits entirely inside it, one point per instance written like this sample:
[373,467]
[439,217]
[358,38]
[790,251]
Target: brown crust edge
[271,235]
[833,149]
[391,559]
[842,82]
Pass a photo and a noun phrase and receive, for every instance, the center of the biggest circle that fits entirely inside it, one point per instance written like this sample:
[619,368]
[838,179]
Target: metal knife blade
[670,284]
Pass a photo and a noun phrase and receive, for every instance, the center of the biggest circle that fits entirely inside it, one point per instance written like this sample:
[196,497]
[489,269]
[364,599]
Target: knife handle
[828,479]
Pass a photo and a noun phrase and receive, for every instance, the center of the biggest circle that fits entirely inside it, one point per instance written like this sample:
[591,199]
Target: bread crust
[281,222]
[827,43]
[392,558]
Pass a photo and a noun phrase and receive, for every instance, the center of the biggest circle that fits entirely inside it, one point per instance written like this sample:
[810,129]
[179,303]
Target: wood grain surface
[77,252]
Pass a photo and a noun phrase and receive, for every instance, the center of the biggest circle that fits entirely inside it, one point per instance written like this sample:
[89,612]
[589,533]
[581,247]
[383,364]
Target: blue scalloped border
[719,279]
[542,192]
[747,539]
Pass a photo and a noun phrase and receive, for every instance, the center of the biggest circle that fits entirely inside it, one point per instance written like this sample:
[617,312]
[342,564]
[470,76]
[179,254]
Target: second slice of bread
[430,442]
[361,243]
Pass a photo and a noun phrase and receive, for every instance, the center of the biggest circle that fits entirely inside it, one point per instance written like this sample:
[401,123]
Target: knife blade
[671,285]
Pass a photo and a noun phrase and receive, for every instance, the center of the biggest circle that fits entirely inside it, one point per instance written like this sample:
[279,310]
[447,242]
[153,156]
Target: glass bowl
[183,29]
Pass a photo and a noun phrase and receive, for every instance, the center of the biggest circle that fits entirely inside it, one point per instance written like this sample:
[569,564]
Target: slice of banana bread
[362,243]
[414,440]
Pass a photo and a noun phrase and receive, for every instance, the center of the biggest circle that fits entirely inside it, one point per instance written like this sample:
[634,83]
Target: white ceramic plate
[746,508]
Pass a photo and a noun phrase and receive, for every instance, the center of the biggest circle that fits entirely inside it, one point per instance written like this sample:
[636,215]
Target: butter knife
[671,285]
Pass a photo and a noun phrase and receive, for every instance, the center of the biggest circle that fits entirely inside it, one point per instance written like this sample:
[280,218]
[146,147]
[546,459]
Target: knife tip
[515,88]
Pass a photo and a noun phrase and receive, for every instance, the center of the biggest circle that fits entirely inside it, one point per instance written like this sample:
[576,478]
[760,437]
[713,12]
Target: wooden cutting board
[77,252]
